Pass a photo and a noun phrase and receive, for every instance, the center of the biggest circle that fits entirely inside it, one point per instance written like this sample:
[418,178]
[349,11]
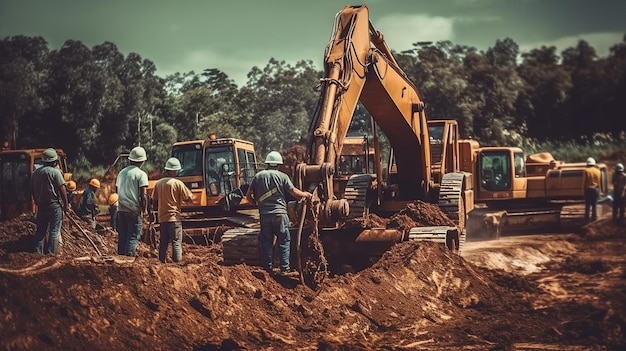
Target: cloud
[601,42]
[401,31]
[199,60]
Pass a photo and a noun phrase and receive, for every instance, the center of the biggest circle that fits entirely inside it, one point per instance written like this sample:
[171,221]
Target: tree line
[96,102]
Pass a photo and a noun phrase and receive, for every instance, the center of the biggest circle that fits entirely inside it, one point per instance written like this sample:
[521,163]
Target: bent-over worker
[87,208]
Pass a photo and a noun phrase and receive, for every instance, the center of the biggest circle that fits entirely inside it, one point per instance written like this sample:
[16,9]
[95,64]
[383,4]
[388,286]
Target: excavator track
[241,245]
[356,194]
[451,203]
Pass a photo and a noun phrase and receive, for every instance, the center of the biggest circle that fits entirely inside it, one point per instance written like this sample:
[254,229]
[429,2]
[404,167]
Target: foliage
[96,102]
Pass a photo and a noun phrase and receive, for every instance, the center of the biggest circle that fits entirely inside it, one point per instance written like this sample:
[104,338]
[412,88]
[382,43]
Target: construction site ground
[551,291]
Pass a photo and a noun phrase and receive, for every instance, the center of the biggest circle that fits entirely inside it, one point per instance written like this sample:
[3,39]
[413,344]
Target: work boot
[292,274]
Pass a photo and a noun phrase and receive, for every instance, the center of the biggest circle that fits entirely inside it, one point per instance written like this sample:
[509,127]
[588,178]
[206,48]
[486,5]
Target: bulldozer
[359,67]
[16,168]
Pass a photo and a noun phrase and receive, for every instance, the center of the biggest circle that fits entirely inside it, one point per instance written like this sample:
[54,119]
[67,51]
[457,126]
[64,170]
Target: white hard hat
[591,161]
[274,158]
[172,164]
[137,154]
[49,155]
[619,167]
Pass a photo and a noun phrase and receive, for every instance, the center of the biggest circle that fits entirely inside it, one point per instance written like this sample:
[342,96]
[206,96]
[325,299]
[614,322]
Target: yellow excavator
[16,168]
[524,193]
[360,67]
[218,172]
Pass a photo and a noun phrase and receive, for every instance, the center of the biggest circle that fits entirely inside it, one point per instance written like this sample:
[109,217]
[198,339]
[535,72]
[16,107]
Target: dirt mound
[415,214]
[419,214]
[418,296]
[602,229]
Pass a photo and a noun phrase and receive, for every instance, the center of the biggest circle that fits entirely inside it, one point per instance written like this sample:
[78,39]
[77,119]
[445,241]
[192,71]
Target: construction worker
[168,195]
[131,187]
[50,195]
[113,206]
[71,193]
[268,190]
[619,193]
[591,187]
[87,207]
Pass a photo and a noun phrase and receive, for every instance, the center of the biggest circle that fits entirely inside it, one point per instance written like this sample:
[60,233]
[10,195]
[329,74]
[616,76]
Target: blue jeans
[275,224]
[171,232]
[48,217]
[129,229]
[591,203]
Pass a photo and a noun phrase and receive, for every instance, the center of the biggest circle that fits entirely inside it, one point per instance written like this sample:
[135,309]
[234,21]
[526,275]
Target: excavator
[217,171]
[359,66]
[524,193]
[16,167]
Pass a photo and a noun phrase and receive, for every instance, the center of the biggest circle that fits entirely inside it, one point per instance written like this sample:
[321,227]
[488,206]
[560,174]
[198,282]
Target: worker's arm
[143,196]
[66,205]
[250,196]
[299,194]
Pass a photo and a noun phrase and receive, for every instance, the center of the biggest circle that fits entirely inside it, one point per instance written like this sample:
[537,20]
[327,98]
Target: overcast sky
[235,35]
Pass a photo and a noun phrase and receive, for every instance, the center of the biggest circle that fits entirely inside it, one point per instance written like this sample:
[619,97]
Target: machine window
[495,171]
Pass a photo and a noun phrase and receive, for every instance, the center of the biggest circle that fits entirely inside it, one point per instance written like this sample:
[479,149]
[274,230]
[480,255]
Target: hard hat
[591,161]
[95,183]
[619,167]
[172,164]
[274,158]
[113,198]
[49,155]
[71,185]
[137,154]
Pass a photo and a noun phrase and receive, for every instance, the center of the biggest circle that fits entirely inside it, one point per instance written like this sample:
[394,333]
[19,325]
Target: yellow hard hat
[95,183]
[113,198]
[71,185]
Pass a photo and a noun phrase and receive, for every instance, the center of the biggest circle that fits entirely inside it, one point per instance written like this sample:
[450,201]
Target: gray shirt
[46,183]
[129,180]
[270,189]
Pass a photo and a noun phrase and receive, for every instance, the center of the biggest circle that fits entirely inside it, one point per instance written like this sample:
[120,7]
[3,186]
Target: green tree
[585,110]
[494,87]
[276,104]
[542,102]
[23,93]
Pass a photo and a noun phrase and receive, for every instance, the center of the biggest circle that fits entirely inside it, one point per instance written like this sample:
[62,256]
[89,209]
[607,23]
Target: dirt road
[539,292]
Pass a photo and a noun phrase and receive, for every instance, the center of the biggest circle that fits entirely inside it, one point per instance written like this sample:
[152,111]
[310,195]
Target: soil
[554,291]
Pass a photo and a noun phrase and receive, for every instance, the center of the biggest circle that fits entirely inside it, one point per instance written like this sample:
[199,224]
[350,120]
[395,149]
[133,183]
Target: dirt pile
[415,214]
[417,296]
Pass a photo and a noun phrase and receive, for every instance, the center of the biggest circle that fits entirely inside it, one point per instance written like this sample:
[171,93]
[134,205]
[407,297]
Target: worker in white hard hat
[268,190]
[591,187]
[131,187]
[619,193]
[50,195]
[168,196]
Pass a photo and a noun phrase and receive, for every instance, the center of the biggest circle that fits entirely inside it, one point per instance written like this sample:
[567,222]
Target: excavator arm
[360,67]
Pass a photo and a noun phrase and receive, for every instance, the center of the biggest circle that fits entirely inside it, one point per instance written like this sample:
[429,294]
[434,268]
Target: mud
[540,292]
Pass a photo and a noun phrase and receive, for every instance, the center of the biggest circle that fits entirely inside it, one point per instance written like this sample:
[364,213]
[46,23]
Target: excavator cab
[501,173]
[217,171]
